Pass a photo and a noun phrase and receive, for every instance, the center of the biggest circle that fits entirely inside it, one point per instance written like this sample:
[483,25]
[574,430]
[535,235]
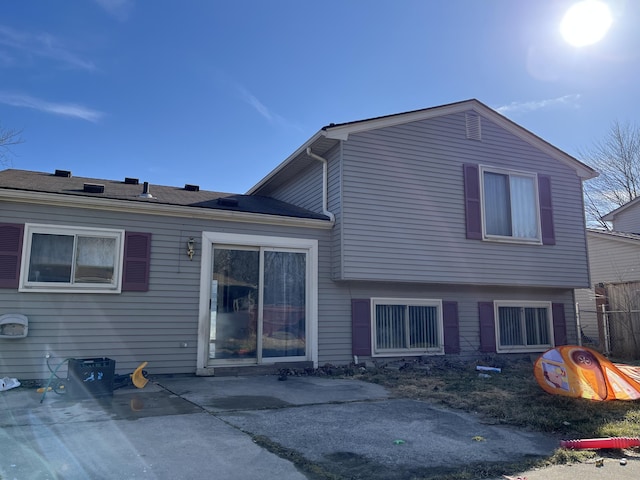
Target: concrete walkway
[229,427]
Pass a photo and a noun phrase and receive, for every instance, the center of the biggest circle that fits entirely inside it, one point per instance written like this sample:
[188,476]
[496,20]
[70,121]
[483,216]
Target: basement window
[523,326]
[407,326]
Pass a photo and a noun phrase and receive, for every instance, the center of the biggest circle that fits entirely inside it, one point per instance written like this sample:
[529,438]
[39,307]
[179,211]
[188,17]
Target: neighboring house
[448,230]
[614,261]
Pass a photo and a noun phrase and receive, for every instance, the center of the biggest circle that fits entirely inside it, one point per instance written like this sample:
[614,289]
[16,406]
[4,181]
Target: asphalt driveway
[253,428]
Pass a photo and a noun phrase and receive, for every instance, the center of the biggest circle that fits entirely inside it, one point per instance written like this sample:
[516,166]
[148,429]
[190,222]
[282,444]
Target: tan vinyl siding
[130,327]
[586,301]
[628,220]
[612,260]
[403,207]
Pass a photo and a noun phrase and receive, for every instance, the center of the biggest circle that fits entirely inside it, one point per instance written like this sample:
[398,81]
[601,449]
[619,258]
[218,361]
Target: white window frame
[523,304]
[510,238]
[303,245]
[114,286]
[406,302]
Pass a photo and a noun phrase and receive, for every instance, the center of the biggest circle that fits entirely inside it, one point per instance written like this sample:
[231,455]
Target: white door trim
[211,238]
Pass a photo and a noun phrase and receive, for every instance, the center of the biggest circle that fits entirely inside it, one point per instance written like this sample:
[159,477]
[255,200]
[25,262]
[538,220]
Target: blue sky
[219,92]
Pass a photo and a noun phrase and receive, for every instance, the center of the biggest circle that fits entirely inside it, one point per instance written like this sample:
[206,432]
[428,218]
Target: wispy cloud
[571,100]
[257,105]
[42,45]
[263,110]
[64,109]
[119,9]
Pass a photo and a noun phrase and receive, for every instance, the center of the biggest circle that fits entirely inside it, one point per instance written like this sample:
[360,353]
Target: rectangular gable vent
[131,181]
[192,188]
[93,188]
[62,173]
[228,202]
[474,130]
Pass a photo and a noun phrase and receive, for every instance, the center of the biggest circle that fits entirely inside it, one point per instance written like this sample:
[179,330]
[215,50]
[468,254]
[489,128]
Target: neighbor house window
[406,326]
[59,258]
[523,326]
[510,205]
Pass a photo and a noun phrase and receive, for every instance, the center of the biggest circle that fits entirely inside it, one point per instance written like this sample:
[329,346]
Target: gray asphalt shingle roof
[163,195]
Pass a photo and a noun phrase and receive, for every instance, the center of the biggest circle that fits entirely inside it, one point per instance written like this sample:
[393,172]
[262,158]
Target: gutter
[75,201]
[325,183]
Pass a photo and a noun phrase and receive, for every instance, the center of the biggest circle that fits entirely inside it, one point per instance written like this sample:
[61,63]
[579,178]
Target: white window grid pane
[423,329]
[537,326]
[51,258]
[510,324]
[496,204]
[95,259]
[390,327]
[524,216]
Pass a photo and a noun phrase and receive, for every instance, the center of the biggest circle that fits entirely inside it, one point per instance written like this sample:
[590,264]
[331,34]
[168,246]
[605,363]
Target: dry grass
[511,397]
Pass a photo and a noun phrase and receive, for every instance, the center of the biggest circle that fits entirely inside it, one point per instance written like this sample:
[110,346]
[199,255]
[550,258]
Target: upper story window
[510,205]
[58,258]
[406,326]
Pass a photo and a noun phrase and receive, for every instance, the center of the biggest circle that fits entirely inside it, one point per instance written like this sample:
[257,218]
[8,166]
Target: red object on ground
[613,442]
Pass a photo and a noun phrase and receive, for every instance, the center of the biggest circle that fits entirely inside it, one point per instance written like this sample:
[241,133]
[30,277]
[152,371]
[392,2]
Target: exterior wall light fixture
[191,247]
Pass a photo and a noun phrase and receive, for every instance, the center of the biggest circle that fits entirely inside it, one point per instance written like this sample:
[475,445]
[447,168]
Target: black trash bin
[90,377]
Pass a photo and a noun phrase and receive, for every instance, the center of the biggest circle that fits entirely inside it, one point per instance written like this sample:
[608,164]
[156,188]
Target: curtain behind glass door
[285,304]
[233,333]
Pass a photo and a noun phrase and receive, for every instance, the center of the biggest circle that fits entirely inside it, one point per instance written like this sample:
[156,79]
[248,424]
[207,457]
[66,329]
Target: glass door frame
[228,240]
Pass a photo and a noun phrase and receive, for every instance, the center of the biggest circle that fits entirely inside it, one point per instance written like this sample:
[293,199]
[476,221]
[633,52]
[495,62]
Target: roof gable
[610,217]
[341,132]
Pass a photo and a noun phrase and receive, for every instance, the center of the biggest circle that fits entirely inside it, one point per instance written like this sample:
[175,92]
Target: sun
[586,23]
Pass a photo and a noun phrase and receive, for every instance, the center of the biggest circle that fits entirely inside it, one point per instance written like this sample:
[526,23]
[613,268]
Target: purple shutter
[472,201]
[451,328]
[487,327]
[10,254]
[137,252]
[559,324]
[546,210]
[361,326]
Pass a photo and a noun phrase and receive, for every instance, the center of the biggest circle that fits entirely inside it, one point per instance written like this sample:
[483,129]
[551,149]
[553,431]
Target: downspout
[325,183]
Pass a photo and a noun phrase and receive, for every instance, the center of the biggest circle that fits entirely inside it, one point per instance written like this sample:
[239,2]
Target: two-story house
[448,230]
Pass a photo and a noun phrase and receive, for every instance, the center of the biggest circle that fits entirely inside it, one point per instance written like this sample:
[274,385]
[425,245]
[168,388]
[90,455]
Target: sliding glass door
[284,304]
[258,304]
[234,300]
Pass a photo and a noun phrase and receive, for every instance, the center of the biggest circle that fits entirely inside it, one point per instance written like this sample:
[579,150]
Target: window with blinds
[524,325]
[407,325]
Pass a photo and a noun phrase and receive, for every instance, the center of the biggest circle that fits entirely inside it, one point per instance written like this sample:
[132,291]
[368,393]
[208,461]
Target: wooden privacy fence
[620,320]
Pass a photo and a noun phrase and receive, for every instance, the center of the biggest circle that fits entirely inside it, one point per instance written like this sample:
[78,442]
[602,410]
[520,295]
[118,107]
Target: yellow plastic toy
[138,378]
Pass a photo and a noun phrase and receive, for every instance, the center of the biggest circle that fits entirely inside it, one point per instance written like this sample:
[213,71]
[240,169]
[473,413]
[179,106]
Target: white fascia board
[343,132]
[611,236]
[582,170]
[157,209]
[609,217]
